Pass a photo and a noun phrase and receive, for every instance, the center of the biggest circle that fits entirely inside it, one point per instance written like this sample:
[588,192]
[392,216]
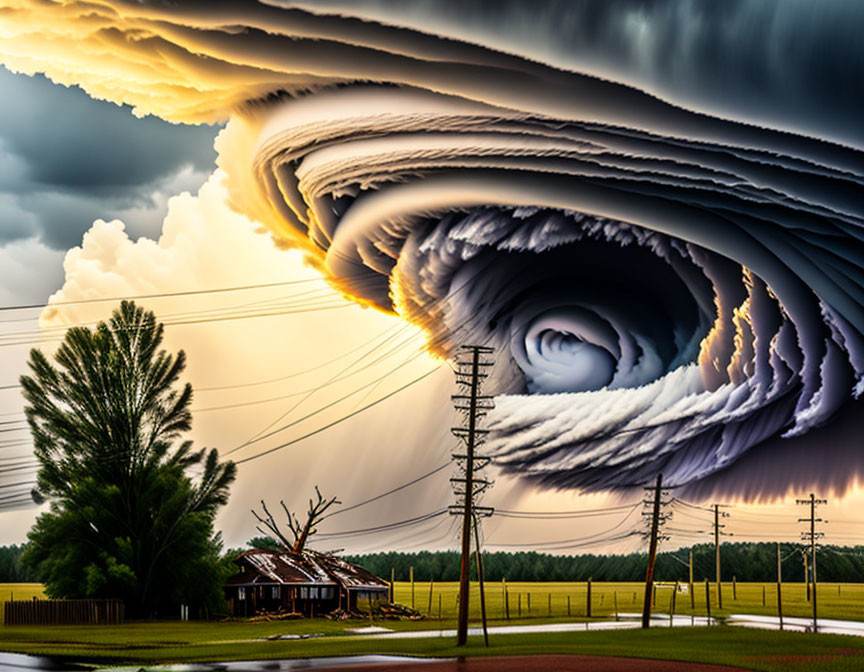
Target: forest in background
[11,569]
[745,561]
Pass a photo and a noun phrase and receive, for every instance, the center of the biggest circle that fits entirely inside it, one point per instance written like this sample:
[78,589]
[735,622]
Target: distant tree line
[744,561]
[11,568]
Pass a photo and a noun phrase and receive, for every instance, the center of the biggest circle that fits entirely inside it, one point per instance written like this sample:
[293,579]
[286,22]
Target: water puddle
[627,621]
[827,626]
[287,665]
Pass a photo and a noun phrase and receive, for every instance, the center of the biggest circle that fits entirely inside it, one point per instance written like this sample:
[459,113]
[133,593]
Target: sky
[164,227]
[146,184]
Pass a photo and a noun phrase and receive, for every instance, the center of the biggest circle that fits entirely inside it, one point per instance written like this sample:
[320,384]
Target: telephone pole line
[690,588]
[656,522]
[717,515]
[779,586]
[473,406]
[480,578]
[811,536]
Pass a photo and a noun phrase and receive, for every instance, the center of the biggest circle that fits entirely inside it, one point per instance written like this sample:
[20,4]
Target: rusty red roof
[306,568]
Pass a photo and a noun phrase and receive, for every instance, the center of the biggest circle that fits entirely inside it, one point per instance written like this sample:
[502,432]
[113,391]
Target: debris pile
[386,611]
[392,611]
[343,615]
[262,616]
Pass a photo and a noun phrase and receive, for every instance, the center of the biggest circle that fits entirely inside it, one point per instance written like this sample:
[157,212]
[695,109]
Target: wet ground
[628,622]
[827,626]
[526,664]
[557,663]
[16,663]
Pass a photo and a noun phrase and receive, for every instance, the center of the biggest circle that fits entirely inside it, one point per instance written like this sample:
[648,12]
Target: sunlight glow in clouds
[667,290]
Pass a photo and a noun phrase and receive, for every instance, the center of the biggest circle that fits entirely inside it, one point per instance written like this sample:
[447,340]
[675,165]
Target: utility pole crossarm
[473,407]
[811,536]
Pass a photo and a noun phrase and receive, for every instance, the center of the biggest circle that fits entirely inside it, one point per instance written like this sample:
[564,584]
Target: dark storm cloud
[797,64]
[66,159]
[71,141]
[666,289]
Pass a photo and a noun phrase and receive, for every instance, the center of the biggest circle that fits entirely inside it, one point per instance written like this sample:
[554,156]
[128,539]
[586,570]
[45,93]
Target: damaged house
[295,578]
[309,583]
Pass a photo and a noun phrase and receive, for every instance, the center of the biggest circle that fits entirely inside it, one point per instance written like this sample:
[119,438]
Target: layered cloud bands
[665,290]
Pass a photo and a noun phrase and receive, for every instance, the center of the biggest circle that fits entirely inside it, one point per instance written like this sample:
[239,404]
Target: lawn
[153,642]
[532,600]
[141,643]
[545,600]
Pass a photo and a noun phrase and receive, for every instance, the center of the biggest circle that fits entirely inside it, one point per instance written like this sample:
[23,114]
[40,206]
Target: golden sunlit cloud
[661,285]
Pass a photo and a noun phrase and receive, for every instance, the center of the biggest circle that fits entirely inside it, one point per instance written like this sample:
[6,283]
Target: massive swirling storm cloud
[666,290]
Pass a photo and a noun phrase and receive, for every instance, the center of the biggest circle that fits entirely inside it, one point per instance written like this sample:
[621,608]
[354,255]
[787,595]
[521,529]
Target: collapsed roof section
[309,568]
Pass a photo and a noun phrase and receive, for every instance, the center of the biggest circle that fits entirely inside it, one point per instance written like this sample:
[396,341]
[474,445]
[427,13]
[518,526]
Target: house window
[241,593]
[327,593]
[313,593]
[304,593]
[275,595]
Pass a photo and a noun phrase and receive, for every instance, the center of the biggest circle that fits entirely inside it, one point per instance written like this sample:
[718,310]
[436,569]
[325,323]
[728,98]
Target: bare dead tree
[301,533]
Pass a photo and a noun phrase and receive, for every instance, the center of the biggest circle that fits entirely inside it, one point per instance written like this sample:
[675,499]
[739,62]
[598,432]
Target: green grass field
[844,601]
[156,642]
[151,643]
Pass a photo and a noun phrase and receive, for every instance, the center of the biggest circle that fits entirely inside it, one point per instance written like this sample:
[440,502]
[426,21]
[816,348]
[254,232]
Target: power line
[297,373]
[326,300]
[577,544]
[692,506]
[554,515]
[389,492]
[161,295]
[338,379]
[49,337]
[323,408]
[381,528]
[336,422]
[561,542]
[339,375]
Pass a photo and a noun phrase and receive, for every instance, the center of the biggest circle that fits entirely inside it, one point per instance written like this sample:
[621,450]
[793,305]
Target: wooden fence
[64,612]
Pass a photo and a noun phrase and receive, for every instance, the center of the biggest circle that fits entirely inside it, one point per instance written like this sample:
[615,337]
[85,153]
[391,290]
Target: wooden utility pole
[717,554]
[506,598]
[708,600]
[467,513]
[480,579]
[806,573]
[692,596]
[811,537]
[473,405]
[779,586]
[652,553]
[672,605]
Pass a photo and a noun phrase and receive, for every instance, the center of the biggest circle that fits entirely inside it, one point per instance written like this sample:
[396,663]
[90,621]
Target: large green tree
[131,504]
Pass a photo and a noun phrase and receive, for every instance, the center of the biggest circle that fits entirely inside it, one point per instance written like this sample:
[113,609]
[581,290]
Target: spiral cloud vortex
[665,289]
